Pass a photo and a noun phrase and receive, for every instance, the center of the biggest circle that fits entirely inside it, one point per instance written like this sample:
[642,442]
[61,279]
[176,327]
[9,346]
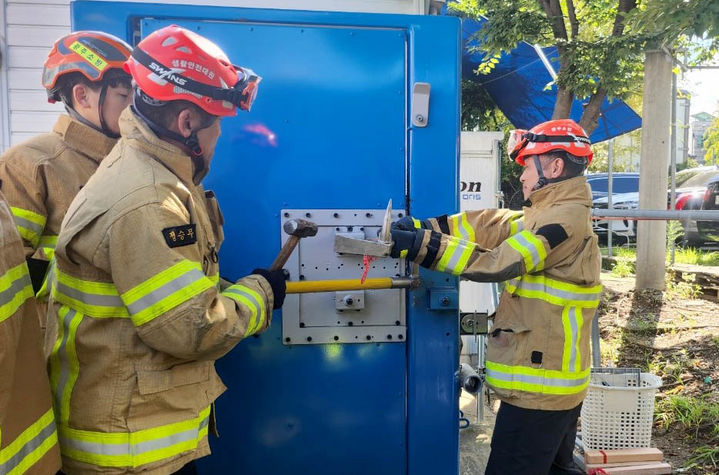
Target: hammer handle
[285,253]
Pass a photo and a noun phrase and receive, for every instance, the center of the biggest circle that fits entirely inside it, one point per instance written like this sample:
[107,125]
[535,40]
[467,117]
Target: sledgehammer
[297,229]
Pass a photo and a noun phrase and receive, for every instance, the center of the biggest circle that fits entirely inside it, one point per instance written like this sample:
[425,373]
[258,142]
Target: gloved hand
[277,280]
[405,241]
[408,224]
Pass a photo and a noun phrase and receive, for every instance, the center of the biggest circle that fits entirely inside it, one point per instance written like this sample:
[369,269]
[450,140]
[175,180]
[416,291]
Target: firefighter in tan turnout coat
[141,318]
[41,176]
[28,437]
[538,358]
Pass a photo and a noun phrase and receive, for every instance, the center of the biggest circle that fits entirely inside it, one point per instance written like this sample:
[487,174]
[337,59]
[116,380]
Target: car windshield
[699,179]
[622,184]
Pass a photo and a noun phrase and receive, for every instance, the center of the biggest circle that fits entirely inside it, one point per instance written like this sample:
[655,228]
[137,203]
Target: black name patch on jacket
[178,236]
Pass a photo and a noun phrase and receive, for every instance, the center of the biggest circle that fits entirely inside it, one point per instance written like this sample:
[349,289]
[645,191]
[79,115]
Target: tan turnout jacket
[140,318]
[42,175]
[538,351]
[28,438]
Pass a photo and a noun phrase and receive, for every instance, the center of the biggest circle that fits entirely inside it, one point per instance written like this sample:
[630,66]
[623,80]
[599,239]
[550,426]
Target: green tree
[597,56]
[711,142]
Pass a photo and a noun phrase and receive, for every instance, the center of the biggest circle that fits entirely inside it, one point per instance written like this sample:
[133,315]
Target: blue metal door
[330,129]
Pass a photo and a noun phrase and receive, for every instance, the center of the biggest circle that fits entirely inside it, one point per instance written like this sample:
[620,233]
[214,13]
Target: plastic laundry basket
[619,409]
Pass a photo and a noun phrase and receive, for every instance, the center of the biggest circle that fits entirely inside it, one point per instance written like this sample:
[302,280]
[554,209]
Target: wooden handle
[285,253]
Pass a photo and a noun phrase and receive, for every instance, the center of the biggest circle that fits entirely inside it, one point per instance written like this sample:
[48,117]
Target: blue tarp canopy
[517,85]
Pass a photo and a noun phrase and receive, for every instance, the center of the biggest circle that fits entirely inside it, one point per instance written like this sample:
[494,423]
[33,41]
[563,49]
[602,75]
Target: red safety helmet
[91,53]
[174,63]
[553,135]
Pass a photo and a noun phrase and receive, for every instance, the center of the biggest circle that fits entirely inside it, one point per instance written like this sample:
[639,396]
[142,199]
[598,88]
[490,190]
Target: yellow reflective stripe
[30,446]
[516,225]
[44,291]
[252,300]
[48,241]
[531,248]
[29,224]
[417,223]
[460,227]
[15,289]
[166,290]
[542,381]
[572,324]
[96,299]
[403,253]
[455,256]
[554,291]
[134,449]
[64,364]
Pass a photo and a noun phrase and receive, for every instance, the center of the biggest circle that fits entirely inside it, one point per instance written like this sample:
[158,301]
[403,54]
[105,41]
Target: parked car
[625,195]
[622,182]
[699,191]
[696,188]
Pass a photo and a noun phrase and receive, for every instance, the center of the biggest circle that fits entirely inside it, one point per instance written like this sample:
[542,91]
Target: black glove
[406,241]
[408,224]
[277,279]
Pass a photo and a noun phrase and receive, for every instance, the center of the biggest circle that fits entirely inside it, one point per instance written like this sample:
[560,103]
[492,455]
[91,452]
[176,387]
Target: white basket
[618,410]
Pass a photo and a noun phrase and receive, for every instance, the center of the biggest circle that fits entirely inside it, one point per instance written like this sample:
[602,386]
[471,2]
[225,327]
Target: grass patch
[682,255]
[692,413]
[703,456]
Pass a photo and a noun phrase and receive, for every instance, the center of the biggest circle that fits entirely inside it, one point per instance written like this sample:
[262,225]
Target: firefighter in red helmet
[41,176]
[141,318]
[538,358]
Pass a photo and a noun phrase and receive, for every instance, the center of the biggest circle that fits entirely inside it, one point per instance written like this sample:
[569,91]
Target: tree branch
[625,6]
[553,10]
[573,19]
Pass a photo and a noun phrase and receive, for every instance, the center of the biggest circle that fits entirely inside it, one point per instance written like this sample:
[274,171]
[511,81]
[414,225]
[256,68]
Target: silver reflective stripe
[520,225]
[572,314]
[17,285]
[456,255]
[460,225]
[559,293]
[64,363]
[27,224]
[533,251]
[524,378]
[90,299]
[178,283]
[100,448]
[238,291]
[29,447]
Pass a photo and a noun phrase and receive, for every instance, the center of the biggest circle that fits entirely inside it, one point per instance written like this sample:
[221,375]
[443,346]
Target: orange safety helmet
[91,53]
[174,63]
[563,134]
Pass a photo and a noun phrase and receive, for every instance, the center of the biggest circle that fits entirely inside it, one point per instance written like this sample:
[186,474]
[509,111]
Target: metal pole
[656,214]
[673,155]
[610,188]
[596,354]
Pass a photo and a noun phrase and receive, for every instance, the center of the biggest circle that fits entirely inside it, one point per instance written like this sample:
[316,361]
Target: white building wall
[31,26]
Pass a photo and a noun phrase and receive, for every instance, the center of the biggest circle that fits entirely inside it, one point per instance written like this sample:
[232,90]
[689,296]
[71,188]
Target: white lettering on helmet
[168,74]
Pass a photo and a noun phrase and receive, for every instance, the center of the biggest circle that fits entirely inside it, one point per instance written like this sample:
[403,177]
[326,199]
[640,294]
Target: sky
[704,86]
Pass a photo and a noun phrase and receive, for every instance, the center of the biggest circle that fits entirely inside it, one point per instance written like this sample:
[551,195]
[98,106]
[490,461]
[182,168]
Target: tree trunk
[590,116]
[563,104]
[654,161]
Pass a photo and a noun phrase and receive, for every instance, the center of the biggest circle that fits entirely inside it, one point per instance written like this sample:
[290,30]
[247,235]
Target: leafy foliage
[711,141]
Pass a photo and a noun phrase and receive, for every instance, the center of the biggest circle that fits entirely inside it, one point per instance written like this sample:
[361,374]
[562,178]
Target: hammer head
[300,228]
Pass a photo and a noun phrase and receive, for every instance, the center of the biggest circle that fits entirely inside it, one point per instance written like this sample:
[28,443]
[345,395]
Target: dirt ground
[675,337]
[670,334]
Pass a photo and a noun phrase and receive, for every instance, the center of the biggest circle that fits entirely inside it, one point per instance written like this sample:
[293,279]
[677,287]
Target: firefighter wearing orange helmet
[41,176]
[538,357]
[140,316]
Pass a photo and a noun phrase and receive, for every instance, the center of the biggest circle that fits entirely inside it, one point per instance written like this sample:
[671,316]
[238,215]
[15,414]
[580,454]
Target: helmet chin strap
[543,181]
[103,126]
[191,143]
